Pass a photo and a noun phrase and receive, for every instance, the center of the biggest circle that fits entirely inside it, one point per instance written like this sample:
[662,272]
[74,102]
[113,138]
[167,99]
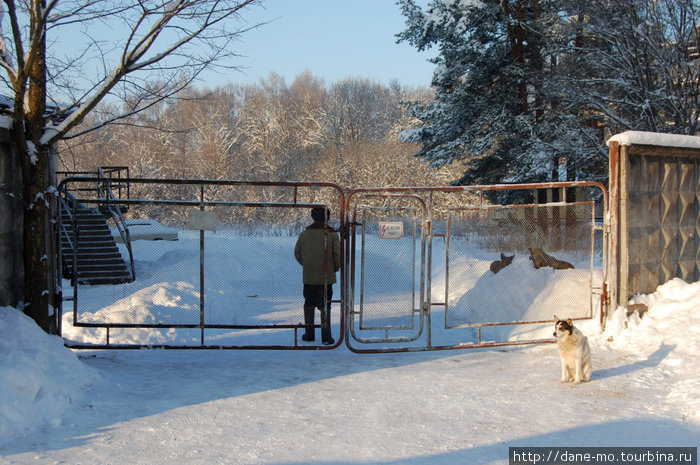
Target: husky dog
[574,351]
[498,265]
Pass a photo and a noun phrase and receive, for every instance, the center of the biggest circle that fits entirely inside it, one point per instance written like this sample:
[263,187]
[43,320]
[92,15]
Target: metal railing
[117,176]
[111,207]
[100,190]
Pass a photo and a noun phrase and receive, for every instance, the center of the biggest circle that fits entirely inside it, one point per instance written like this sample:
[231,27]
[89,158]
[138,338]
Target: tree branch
[209,17]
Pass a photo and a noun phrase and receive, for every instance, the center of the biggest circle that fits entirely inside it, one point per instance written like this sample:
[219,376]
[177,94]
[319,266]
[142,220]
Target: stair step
[99,245]
[100,265]
[102,272]
[89,255]
[97,281]
[98,260]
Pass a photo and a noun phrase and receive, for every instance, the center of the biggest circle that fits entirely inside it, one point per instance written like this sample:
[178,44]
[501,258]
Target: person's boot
[310,332]
[326,336]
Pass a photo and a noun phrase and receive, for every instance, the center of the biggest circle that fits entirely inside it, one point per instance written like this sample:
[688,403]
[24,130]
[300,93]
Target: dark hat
[317,213]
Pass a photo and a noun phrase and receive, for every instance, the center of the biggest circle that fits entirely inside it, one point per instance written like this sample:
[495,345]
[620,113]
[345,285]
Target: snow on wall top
[5,122]
[655,138]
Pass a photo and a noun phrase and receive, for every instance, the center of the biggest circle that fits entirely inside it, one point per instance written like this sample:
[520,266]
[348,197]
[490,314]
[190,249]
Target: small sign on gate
[204,220]
[390,230]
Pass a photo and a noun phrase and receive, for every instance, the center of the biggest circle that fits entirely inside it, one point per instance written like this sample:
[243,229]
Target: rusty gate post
[613,221]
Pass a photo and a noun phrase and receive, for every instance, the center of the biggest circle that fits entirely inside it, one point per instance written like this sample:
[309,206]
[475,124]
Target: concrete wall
[655,208]
[11,224]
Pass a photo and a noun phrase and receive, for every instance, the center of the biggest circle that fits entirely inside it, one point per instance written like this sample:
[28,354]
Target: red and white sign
[390,230]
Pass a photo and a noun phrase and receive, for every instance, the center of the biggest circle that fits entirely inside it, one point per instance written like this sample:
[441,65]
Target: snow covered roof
[655,138]
[52,109]
[6,102]
[5,122]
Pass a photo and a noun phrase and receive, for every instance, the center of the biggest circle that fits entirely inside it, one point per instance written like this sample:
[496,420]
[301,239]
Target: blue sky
[334,39]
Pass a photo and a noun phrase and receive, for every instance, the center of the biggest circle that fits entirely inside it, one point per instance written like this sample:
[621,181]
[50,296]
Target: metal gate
[390,279]
[188,263]
[466,267]
[422,268]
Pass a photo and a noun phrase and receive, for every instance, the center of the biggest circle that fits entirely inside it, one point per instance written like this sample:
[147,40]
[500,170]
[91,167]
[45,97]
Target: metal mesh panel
[225,263]
[388,272]
[155,299]
[514,264]
[256,284]
[483,274]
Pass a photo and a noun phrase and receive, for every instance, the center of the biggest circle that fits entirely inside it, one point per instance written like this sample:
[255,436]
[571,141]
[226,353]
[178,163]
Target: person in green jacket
[314,243]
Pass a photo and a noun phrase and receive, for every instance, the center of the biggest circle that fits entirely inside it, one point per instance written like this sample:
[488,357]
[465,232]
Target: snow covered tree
[281,126]
[493,108]
[635,65]
[133,51]
[524,87]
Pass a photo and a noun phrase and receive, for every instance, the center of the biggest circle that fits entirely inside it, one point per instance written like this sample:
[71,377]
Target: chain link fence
[214,266]
[468,271]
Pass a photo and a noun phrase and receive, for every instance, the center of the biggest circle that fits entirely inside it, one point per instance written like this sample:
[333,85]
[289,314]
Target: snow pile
[668,333]
[39,378]
[541,294]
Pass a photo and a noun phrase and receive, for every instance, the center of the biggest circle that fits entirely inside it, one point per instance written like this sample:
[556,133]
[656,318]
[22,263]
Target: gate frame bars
[201,203]
[346,281]
[480,189]
[349,266]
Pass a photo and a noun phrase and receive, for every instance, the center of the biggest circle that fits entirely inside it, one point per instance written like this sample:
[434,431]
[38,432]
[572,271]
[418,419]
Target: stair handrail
[104,172]
[65,206]
[106,194]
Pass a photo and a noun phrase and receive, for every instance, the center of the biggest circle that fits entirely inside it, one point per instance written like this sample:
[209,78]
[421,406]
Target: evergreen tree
[495,108]
[524,87]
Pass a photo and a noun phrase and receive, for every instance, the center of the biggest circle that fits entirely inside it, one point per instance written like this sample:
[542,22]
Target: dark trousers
[313,295]
[313,299]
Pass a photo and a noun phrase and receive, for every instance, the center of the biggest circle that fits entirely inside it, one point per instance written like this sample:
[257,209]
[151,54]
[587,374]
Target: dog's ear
[569,322]
[556,319]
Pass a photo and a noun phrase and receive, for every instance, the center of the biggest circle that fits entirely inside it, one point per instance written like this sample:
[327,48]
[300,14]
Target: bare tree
[358,110]
[636,65]
[282,126]
[151,50]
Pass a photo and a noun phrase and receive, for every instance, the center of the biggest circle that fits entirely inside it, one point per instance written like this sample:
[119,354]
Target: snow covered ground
[337,407]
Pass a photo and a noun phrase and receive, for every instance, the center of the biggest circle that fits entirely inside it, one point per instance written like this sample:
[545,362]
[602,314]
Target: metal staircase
[89,253]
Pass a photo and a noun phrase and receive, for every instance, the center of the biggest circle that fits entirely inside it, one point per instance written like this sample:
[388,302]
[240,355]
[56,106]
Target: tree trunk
[516,38]
[39,289]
